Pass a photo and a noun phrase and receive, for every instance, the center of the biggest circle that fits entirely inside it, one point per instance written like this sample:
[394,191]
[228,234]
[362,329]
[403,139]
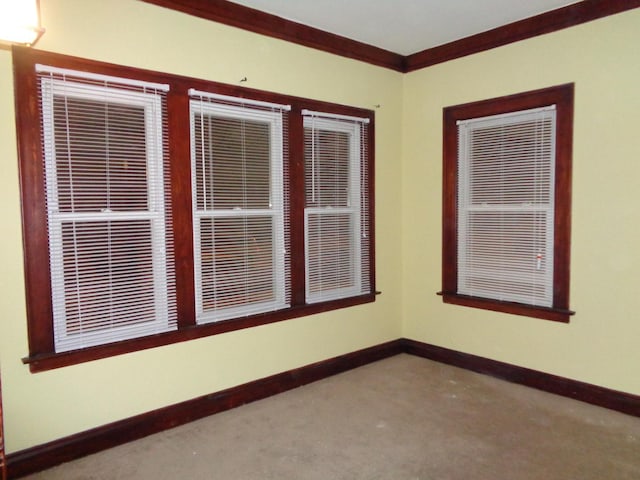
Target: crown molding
[548,22]
[256,21]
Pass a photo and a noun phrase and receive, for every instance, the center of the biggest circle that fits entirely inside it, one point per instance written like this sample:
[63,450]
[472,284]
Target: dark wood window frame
[42,355]
[561,96]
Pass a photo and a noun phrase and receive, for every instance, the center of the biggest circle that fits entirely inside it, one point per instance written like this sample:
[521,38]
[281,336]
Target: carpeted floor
[403,418]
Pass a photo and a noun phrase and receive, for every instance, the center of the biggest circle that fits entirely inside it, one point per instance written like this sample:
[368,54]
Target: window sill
[50,361]
[553,314]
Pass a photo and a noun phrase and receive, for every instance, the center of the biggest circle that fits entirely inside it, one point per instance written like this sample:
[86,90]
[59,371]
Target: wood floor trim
[584,392]
[41,457]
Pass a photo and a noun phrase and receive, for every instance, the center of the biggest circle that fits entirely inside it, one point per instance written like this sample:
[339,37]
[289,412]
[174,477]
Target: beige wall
[601,345]
[45,406]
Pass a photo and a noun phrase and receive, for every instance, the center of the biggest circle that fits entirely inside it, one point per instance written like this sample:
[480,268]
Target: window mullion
[297,208]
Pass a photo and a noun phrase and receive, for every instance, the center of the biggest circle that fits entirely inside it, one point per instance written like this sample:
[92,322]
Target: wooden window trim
[562,96]
[42,355]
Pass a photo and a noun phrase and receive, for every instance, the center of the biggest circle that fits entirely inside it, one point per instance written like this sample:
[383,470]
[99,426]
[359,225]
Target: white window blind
[109,217]
[506,170]
[336,207]
[241,226]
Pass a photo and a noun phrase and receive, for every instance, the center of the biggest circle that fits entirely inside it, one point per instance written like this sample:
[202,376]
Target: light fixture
[20,22]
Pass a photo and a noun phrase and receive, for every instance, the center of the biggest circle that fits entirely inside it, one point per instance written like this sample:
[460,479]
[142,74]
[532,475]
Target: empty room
[357,239]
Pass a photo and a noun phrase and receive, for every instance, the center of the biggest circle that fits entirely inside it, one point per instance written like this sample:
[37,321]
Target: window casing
[506,203]
[199,221]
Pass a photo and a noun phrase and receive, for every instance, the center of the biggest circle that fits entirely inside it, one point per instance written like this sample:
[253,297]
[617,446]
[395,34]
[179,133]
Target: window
[237,159]
[104,164]
[336,239]
[158,208]
[507,168]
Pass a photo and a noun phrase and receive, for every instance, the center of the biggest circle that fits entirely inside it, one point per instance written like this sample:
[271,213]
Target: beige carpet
[404,418]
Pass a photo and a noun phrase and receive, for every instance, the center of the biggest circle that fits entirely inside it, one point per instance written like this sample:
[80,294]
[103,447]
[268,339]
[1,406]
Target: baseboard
[585,392]
[69,448]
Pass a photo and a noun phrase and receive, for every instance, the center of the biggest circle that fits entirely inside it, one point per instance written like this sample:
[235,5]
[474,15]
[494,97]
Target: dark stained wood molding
[50,361]
[236,15]
[372,206]
[553,314]
[33,204]
[180,154]
[296,205]
[584,392]
[41,457]
[100,438]
[547,22]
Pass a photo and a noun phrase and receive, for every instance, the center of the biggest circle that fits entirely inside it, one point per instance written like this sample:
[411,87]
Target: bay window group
[159,208]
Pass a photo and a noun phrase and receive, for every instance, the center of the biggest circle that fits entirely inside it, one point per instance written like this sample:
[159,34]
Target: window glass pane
[100,155]
[237,261]
[330,252]
[108,275]
[232,162]
[327,156]
[505,257]
[511,163]
[503,243]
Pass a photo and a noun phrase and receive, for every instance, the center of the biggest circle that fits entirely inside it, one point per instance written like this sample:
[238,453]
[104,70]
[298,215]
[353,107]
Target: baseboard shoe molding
[41,457]
[584,392]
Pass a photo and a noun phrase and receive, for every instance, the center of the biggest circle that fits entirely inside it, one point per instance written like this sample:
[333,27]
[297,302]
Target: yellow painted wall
[49,405]
[601,345]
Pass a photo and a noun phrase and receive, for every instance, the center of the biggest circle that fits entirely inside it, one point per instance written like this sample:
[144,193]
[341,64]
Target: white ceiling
[405,26]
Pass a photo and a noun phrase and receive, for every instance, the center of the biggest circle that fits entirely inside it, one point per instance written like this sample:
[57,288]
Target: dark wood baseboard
[585,392]
[69,448]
